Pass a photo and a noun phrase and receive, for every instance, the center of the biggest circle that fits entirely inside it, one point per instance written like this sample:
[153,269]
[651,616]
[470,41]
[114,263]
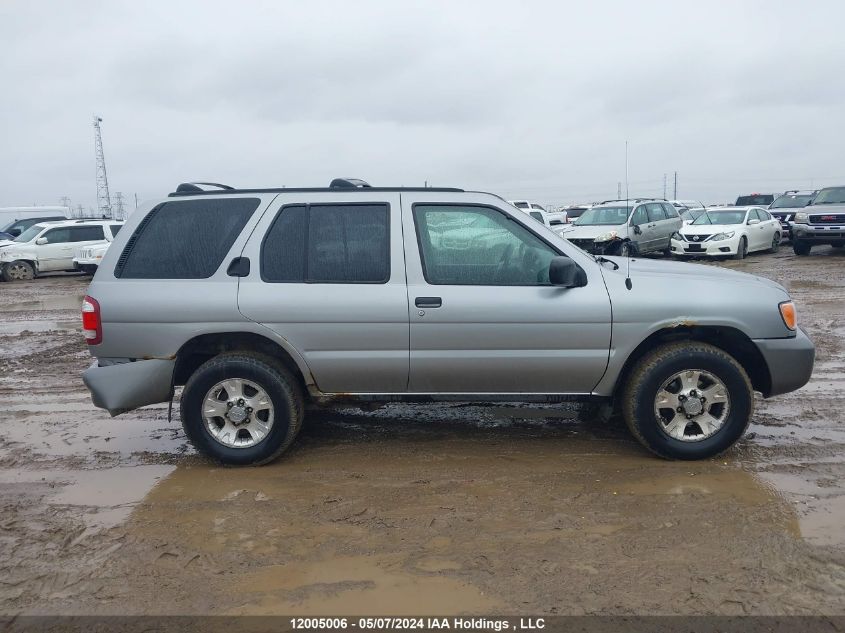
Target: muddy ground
[415,509]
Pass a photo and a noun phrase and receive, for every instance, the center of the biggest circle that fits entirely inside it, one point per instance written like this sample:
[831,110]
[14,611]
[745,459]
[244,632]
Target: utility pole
[675,195]
[136,202]
[66,203]
[619,190]
[103,198]
[664,186]
[118,206]
[80,211]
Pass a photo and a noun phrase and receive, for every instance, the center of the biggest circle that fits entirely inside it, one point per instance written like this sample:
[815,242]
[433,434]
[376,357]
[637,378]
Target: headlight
[801,218]
[677,236]
[606,237]
[721,236]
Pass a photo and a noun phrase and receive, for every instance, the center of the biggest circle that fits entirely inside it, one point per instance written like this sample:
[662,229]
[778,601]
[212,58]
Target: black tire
[801,248]
[742,249]
[282,388]
[658,366]
[775,243]
[18,270]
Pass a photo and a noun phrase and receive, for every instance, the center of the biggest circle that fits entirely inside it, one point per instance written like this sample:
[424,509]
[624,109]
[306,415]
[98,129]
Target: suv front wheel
[241,409]
[688,400]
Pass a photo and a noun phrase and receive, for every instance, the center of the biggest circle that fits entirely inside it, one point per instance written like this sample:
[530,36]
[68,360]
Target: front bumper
[790,361]
[818,234]
[123,386]
[721,248]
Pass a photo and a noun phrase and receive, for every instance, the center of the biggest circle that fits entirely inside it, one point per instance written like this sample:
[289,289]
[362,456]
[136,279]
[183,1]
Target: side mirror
[565,273]
[753,221]
[41,241]
[637,230]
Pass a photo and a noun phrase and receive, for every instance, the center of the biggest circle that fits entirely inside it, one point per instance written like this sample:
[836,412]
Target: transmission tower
[103,199]
[118,206]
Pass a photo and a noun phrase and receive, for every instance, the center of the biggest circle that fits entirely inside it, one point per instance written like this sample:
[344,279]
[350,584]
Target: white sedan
[728,231]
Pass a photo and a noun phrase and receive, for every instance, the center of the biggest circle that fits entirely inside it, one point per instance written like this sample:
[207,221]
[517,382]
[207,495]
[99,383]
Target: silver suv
[625,227]
[260,301]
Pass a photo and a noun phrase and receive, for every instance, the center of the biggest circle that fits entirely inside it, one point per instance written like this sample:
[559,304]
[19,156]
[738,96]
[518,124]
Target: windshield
[691,214]
[755,199]
[721,217]
[574,213]
[792,201]
[603,215]
[834,195]
[29,234]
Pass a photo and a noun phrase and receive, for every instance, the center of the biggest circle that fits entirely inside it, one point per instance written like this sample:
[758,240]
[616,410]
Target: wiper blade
[604,260]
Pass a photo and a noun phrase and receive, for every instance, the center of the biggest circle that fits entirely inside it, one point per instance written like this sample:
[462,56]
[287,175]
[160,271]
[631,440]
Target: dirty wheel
[775,243]
[688,400]
[241,409]
[801,248]
[742,249]
[18,271]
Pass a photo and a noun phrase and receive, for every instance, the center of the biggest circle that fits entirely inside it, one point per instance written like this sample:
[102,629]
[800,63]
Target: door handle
[428,302]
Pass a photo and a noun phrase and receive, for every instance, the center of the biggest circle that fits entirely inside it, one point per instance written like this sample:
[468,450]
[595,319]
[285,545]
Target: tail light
[92,324]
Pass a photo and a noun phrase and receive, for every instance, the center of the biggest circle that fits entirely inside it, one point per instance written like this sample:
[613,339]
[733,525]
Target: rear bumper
[124,386]
[790,361]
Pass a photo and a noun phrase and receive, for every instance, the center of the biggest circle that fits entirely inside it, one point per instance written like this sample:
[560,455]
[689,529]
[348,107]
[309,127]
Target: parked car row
[53,246]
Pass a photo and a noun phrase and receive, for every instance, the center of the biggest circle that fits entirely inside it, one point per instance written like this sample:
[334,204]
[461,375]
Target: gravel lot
[416,509]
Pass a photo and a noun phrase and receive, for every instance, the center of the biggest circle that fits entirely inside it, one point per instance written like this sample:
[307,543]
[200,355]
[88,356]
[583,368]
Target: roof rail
[194,186]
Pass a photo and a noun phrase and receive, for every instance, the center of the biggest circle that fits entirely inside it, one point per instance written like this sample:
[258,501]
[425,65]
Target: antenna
[627,227]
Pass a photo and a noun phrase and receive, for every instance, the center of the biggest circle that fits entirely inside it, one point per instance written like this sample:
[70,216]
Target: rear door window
[86,233]
[655,212]
[184,239]
[328,243]
[671,212]
[640,216]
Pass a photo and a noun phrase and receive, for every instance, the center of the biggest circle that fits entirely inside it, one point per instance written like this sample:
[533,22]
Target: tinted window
[328,244]
[479,246]
[521,205]
[185,239]
[86,233]
[537,215]
[656,212]
[761,199]
[115,229]
[537,206]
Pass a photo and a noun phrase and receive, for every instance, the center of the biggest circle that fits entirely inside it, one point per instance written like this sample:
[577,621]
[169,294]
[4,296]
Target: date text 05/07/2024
[419,624]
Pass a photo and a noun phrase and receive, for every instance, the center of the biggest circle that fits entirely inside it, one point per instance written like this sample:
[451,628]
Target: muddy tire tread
[277,370]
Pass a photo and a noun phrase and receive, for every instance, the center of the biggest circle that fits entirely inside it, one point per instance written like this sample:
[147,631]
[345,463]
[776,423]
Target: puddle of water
[58,302]
[104,497]
[356,585]
[821,510]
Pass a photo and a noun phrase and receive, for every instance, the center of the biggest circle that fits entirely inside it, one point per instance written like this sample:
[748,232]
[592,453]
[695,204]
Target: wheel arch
[729,339]
[203,347]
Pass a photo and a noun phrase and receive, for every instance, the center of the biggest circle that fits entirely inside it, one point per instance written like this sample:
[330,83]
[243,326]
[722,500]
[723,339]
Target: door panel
[499,328]
[353,336]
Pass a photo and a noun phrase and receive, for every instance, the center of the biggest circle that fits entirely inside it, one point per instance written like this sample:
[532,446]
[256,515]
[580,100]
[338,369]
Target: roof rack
[195,188]
[348,183]
[635,200]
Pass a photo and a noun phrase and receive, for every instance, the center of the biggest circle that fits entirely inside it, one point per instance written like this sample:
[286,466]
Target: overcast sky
[524,99]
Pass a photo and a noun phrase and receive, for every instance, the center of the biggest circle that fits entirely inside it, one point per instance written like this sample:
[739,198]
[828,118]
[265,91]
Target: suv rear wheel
[688,400]
[241,409]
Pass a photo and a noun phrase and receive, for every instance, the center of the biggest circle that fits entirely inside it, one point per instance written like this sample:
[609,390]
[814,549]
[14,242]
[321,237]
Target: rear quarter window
[185,239]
